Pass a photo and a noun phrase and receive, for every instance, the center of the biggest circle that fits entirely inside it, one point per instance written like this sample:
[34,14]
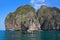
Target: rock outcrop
[22,19]
[26,19]
[49,18]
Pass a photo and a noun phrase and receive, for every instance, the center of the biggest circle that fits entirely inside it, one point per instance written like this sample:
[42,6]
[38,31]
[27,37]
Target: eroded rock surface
[49,18]
[22,19]
[25,18]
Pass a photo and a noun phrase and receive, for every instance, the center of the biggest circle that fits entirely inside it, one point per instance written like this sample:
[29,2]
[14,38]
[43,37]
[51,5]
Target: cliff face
[49,18]
[22,19]
[26,19]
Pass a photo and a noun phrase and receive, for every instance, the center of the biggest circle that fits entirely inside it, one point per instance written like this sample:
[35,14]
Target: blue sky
[7,6]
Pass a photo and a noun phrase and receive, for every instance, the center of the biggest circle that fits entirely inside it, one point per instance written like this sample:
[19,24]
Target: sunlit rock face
[22,19]
[25,18]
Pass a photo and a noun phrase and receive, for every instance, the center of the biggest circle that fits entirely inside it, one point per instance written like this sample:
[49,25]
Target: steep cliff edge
[22,19]
[49,18]
[25,18]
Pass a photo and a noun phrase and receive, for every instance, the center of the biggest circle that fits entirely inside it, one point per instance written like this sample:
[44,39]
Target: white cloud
[32,1]
[37,6]
[37,3]
[41,0]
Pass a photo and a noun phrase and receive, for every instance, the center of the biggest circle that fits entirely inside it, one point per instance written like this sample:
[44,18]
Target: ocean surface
[40,35]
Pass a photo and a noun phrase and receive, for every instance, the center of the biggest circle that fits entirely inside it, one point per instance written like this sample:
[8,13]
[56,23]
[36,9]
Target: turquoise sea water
[40,35]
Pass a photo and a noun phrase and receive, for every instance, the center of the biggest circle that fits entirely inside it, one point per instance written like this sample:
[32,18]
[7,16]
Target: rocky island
[25,18]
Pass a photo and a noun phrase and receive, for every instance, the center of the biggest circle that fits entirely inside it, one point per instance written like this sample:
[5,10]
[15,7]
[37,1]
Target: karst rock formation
[25,18]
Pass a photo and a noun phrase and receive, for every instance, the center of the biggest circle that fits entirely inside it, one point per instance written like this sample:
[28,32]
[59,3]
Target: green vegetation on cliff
[21,15]
[49,18]
[46,18]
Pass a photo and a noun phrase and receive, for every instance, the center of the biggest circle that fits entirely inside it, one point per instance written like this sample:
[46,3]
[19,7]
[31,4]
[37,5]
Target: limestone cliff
[25,18]
[21,19]
[49,18]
